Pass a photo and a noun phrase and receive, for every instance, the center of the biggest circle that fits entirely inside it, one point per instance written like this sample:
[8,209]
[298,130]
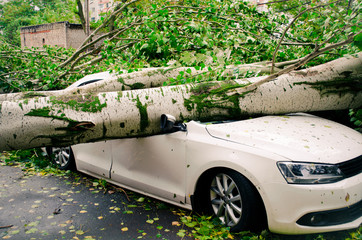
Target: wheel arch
[206,176]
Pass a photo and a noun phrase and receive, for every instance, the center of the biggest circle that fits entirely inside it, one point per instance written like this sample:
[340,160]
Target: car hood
[298,138]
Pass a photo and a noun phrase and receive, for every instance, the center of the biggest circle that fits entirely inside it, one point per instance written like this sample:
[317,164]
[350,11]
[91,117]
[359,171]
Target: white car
[293,174]
[92,78]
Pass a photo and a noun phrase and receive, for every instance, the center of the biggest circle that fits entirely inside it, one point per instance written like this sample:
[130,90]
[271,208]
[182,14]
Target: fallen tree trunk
[77,118]
[146,78]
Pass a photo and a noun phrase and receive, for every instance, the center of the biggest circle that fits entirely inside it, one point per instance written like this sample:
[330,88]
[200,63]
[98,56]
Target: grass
[35,161]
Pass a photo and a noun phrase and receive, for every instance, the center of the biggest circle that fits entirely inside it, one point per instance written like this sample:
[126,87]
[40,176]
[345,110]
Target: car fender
[243,159]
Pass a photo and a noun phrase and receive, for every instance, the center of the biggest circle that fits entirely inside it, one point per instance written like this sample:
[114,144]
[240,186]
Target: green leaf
[357,41]
[181,233]
[144,46]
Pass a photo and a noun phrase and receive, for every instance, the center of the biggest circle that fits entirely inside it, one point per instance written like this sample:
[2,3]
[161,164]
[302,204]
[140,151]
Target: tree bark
[80,13]
[77,118]
[146,78]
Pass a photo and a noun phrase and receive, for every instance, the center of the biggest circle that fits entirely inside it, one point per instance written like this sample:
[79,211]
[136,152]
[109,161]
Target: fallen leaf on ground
[79,232]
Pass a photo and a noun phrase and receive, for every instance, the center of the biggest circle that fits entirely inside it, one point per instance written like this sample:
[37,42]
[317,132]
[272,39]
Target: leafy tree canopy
[193,33]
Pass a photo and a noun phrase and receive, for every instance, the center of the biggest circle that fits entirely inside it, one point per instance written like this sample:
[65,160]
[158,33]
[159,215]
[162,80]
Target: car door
[94,159]
[153,165]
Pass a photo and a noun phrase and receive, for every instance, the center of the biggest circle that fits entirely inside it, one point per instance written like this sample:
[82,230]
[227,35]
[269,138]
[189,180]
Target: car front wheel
[62,157]
[232,199]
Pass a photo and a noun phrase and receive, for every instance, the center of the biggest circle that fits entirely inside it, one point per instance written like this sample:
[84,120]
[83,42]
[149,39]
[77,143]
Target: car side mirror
[169,124]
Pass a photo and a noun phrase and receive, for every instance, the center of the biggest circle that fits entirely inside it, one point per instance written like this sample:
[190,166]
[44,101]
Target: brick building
[62,34]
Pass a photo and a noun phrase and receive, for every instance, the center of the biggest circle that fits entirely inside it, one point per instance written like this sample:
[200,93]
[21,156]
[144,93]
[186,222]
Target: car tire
[231,197]
[62,157]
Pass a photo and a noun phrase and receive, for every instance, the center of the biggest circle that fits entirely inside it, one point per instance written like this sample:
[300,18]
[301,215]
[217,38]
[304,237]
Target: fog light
[317,219]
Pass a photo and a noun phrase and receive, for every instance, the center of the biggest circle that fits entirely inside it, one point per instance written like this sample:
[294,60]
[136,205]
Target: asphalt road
[33,206]
[49,207]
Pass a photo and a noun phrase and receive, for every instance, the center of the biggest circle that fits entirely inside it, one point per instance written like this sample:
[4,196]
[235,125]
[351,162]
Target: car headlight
[309,173]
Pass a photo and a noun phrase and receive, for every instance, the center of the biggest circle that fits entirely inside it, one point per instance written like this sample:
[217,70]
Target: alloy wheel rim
[61,155]
[226,199]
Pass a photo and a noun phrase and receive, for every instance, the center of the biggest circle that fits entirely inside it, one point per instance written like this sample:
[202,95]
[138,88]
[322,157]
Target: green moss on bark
[215,95]
[119,96]
[339,86]
[90,104]
[45,112]
[33,94]
[134,86]
[72,124]
[120,80]
[42,112]
[144,122]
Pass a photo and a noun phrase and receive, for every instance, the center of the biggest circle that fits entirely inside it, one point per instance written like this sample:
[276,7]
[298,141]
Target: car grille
[352,167]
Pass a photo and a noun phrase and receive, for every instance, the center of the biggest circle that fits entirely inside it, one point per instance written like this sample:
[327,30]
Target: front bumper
[332,217]
[303,209]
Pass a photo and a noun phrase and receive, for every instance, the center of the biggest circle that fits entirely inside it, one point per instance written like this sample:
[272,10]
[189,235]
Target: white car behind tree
[294,174]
